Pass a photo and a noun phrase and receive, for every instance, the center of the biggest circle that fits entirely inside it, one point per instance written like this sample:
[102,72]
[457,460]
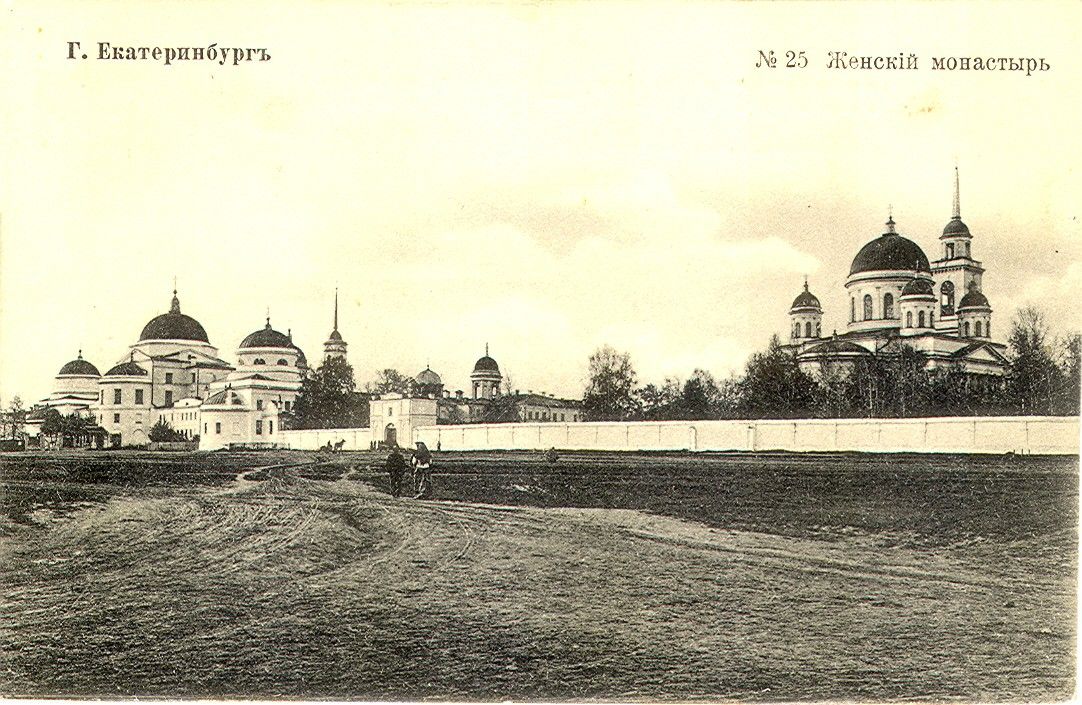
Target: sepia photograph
[540,351]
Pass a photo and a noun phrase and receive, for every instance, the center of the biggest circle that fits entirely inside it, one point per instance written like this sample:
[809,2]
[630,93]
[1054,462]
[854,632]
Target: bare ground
[318,588]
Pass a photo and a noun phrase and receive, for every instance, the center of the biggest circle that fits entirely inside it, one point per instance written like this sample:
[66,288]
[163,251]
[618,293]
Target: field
[602,576]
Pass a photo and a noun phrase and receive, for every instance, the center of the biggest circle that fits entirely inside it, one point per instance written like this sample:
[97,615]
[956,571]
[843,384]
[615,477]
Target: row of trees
[1042,378]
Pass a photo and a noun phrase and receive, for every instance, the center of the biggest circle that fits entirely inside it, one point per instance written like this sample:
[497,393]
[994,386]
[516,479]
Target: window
[852,310]
[101,400]
[796,330]
[988,330]
[946,299]
[289,405]
[116,418]
[965,327]
[259,427]
[818,330]
[390,411]
[259,361]
[168,397]
[978,331]
[283,362]
[920,319]
[270,428]
[908,319]
[217,426]
[168,377]
[867,307]
[950,250]
[116,396]
[259,404]
[807,329]
[204,429]
[138,397]
[888,306]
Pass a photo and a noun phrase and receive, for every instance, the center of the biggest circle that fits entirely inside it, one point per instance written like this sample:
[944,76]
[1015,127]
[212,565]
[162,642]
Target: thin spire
[957,212]
[336,308]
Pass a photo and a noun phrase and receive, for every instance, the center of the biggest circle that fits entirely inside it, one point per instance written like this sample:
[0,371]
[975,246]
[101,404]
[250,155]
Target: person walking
[422,471]
[396,468]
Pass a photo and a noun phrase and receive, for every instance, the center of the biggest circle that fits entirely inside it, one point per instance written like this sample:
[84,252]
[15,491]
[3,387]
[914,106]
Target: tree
[701,397]
[52,424]
[16,416]
[1032,375]
[660,403]
[1068,392]
[610,387]
[162,432]
[329,399]
[774,385]
[391,381]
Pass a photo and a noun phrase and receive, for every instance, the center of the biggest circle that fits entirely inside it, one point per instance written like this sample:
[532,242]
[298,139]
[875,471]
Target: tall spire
[957,212]
[336,308]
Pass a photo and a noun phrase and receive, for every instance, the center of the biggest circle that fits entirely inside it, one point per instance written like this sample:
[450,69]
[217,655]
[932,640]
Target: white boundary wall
[314,439]
[1051,435]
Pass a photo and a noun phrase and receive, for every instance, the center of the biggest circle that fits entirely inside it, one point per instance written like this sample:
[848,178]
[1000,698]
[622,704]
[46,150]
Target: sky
[543,178]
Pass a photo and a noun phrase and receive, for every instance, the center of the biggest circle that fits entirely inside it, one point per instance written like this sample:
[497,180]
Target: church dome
[486,364]
[335,335]
[973,299]
[267,337]
[889,252]
[956,227]
[174,326]
[918,287]
[806,300]
[129,368]
[79,366]
[427,376]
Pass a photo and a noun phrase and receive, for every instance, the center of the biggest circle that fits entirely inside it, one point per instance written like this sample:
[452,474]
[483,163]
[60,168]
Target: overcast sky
[545,178]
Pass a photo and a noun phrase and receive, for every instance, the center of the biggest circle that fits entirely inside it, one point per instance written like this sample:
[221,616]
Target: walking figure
[396,468]
[422,471]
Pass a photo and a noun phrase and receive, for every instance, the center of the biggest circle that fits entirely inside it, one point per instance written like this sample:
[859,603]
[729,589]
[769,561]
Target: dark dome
[335,335]
[486,364]
[973,299]
[806,299]
[427,376]
[174,326]
[126,368]
[918,287]
[267,337]
[890,251]
[956,227]
[79,366]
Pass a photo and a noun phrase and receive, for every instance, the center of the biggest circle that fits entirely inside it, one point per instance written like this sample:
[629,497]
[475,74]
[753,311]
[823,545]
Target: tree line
[1042,378]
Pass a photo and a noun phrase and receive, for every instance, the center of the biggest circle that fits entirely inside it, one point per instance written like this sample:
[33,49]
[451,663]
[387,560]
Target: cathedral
[898,297]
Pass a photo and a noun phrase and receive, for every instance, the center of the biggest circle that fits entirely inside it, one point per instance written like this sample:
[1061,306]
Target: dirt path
[289,586]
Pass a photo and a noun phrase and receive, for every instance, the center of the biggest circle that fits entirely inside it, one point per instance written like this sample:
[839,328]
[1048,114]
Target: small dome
[890,251]
[174,326]
[267,337]
[805,300]
[486,364]
[427,376]
[973,299]
[81,367]
[226,397]
[129,368]
[956,227]
[918,287]
[335,335]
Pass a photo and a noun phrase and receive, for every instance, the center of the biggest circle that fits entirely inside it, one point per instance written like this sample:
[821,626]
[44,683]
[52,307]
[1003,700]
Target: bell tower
[955,272]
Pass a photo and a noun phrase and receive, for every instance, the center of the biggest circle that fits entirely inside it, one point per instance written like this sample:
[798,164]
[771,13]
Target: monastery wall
[314,439]
[1017,434]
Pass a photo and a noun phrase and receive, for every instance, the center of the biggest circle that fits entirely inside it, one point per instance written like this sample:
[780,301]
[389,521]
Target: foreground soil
[203,578]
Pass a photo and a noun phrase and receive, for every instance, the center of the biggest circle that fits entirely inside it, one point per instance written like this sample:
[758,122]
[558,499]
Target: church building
[898,297]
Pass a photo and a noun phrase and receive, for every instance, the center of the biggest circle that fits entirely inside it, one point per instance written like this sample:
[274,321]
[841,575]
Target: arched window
[908,319]
[867,307]
[852,310]
[807,329]
[978,331]
[259,361]
[818,330]
[888,306]
[988,330]
[283,362]
[946,299]
[920,319]
[796,329]
[965,327]
[950,250]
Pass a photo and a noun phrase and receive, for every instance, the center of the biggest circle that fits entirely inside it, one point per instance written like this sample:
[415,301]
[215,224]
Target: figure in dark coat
[396,468]
[422,471]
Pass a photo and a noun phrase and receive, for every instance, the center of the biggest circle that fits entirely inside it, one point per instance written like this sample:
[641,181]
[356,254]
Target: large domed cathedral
[897,297]
[173,374]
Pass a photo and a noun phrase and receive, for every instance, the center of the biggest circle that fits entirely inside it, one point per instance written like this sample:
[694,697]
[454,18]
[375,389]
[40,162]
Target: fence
[1017,434]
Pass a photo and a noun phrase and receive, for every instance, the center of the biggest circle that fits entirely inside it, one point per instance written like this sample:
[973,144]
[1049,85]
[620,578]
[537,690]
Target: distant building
[898,297]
